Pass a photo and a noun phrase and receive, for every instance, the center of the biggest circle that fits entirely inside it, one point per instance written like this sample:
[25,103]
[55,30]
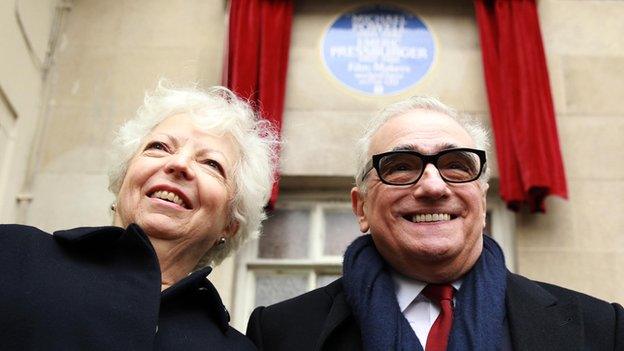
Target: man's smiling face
[431,223]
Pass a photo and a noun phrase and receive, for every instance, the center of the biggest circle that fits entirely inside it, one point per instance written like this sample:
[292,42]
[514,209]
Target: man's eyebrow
[405,148]
[446,146]
[414,147]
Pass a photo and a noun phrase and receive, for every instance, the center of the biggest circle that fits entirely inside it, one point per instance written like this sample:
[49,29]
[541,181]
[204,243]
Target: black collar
[104,238]
[198,283]
[90,236]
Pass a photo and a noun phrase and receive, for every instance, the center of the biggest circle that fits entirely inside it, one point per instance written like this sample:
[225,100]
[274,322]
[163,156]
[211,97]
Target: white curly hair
[215,109]
[473,126]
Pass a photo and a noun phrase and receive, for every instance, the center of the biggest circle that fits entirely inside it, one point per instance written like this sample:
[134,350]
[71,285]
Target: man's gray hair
[473,126]
[218,110]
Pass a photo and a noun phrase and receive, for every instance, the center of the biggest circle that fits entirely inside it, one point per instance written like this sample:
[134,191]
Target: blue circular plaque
[378,49]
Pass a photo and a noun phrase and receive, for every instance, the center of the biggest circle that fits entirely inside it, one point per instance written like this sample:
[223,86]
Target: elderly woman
[194,171]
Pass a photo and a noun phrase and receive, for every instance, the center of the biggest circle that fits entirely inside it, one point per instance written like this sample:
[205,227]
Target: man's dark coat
[99,289]
[540,317]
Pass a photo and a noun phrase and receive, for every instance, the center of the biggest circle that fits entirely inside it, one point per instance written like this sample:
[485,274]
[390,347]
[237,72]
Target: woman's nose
[179,165]
[431,184]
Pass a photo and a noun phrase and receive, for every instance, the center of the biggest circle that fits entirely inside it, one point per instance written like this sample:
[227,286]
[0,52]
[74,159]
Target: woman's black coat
[99,289]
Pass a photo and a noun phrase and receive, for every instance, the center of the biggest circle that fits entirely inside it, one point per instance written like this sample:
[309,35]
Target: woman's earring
[113,207]
[221,241]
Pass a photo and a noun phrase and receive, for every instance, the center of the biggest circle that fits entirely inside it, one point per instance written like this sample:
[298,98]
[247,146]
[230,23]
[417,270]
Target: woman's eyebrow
[202,150]
[208,150]
[169,137]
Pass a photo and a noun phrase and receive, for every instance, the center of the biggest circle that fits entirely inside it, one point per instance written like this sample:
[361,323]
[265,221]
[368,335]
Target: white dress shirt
[419,311]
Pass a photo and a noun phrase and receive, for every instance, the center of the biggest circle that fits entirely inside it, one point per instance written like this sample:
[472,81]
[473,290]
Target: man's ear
[485,188]
[357,204]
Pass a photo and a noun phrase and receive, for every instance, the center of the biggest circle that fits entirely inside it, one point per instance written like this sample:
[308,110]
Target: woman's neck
[176,260]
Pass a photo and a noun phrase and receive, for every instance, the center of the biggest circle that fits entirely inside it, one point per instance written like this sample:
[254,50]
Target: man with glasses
[426,277]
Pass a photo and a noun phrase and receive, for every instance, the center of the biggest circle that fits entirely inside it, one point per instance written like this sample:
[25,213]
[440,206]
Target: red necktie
[441,294]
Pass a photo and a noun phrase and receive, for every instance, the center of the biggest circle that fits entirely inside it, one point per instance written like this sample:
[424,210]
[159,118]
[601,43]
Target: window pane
[341,229]
[272,288]
[285,235]
[324,279]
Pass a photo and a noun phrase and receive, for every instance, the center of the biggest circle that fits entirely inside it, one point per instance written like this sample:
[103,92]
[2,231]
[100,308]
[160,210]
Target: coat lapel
[341,323]
[538,320]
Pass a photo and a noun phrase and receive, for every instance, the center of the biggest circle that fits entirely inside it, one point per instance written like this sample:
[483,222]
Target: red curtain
[257,57]
[521,107]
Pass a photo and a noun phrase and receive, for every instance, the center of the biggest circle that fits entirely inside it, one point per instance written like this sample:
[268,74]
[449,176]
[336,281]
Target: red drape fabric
[257,57]
[523,118]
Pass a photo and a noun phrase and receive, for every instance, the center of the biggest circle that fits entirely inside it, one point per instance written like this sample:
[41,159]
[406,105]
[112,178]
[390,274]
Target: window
[304,240]
[301,249]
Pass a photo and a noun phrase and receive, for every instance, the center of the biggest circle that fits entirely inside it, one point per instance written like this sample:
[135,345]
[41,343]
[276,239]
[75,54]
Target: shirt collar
[408,289]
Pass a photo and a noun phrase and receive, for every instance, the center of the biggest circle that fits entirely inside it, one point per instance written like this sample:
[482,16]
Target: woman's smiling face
[179,184]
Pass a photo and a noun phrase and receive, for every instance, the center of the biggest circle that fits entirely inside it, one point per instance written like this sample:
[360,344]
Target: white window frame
[248,262]
[503,224]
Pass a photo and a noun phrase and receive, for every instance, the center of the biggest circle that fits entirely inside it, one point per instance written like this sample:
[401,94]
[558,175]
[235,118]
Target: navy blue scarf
[479,312]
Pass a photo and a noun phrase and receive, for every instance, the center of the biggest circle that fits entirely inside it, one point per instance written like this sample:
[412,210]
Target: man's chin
[437,253]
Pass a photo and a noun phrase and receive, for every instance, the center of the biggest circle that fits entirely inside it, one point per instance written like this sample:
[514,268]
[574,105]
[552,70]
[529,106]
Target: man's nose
[431,184]
[179,165]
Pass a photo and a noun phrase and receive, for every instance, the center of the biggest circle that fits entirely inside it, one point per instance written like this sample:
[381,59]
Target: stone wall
[112,51]
[579,242]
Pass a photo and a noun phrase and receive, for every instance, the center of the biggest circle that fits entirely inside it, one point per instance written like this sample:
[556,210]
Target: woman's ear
[232,228]
[116,217]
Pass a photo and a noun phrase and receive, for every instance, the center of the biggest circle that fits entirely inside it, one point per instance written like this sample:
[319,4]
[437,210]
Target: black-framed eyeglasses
[405,167]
